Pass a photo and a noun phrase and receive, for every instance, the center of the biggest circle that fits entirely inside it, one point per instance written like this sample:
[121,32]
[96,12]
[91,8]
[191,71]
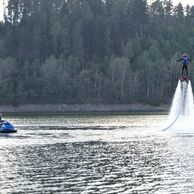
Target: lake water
[95,154]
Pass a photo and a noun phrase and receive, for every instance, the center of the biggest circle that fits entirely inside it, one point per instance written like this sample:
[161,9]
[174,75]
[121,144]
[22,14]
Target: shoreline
[83,108]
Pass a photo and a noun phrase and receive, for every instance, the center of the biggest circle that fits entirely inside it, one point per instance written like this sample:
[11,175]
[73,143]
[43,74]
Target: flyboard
[184,80]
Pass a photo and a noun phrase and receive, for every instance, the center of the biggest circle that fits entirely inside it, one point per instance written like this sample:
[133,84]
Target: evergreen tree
[78,51]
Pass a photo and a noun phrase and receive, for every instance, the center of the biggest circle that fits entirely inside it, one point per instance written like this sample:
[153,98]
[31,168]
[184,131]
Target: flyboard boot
[184,78]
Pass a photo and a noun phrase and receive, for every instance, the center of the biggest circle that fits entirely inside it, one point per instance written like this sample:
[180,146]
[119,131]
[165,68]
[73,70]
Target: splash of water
[182,109]
[189,110]
[175,108]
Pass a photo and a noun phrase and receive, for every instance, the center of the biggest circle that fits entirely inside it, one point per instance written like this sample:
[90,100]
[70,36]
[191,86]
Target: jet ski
[7,127]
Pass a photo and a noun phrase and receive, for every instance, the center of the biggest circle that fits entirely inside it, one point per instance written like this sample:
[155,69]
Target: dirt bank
[83,108]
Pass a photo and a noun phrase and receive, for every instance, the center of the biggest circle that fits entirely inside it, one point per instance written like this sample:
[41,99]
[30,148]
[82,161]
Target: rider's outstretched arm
[179,59]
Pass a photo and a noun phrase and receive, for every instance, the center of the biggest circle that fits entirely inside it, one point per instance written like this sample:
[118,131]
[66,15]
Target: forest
[93,51]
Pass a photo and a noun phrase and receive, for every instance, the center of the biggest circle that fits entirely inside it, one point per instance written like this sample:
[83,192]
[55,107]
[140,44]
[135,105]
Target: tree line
[93,51]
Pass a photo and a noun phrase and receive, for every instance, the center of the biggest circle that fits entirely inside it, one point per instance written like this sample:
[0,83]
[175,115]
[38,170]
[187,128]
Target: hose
[180,109]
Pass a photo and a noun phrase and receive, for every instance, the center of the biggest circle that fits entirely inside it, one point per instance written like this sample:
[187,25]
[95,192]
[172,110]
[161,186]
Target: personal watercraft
[7,127]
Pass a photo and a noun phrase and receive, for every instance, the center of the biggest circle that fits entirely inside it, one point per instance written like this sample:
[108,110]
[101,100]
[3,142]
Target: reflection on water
[95,154]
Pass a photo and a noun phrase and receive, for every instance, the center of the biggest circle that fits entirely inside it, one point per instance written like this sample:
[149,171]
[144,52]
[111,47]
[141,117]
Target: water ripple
[120,160]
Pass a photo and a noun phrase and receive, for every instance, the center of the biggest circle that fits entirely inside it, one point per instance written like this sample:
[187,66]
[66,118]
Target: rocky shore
[83,108]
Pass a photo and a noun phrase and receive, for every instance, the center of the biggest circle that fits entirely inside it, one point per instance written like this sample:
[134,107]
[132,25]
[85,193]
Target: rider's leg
[183,70]
[184,67]
[186,70]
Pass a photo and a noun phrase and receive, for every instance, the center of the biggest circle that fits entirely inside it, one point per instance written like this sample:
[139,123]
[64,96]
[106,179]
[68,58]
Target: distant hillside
[102,51]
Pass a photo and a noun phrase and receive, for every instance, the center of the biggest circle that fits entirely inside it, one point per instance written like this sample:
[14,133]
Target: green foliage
[99,51]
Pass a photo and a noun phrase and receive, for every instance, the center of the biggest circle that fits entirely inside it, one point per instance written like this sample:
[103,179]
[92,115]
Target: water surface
[95,154]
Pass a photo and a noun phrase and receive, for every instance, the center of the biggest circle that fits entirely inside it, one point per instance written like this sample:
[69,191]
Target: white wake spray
[181,115]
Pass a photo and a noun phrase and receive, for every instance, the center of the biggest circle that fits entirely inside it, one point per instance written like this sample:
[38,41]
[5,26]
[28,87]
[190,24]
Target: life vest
[185,60]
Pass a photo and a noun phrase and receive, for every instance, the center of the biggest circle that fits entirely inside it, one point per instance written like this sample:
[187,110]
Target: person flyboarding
[185,61]
[182,97]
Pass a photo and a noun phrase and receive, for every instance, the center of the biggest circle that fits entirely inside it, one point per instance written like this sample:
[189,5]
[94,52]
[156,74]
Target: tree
[7,84]
[157,10]
[179,12]
[75,51]
[139,15]
[168,7]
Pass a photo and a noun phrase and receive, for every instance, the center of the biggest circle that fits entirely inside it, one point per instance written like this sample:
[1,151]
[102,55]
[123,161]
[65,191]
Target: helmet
[184,54]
